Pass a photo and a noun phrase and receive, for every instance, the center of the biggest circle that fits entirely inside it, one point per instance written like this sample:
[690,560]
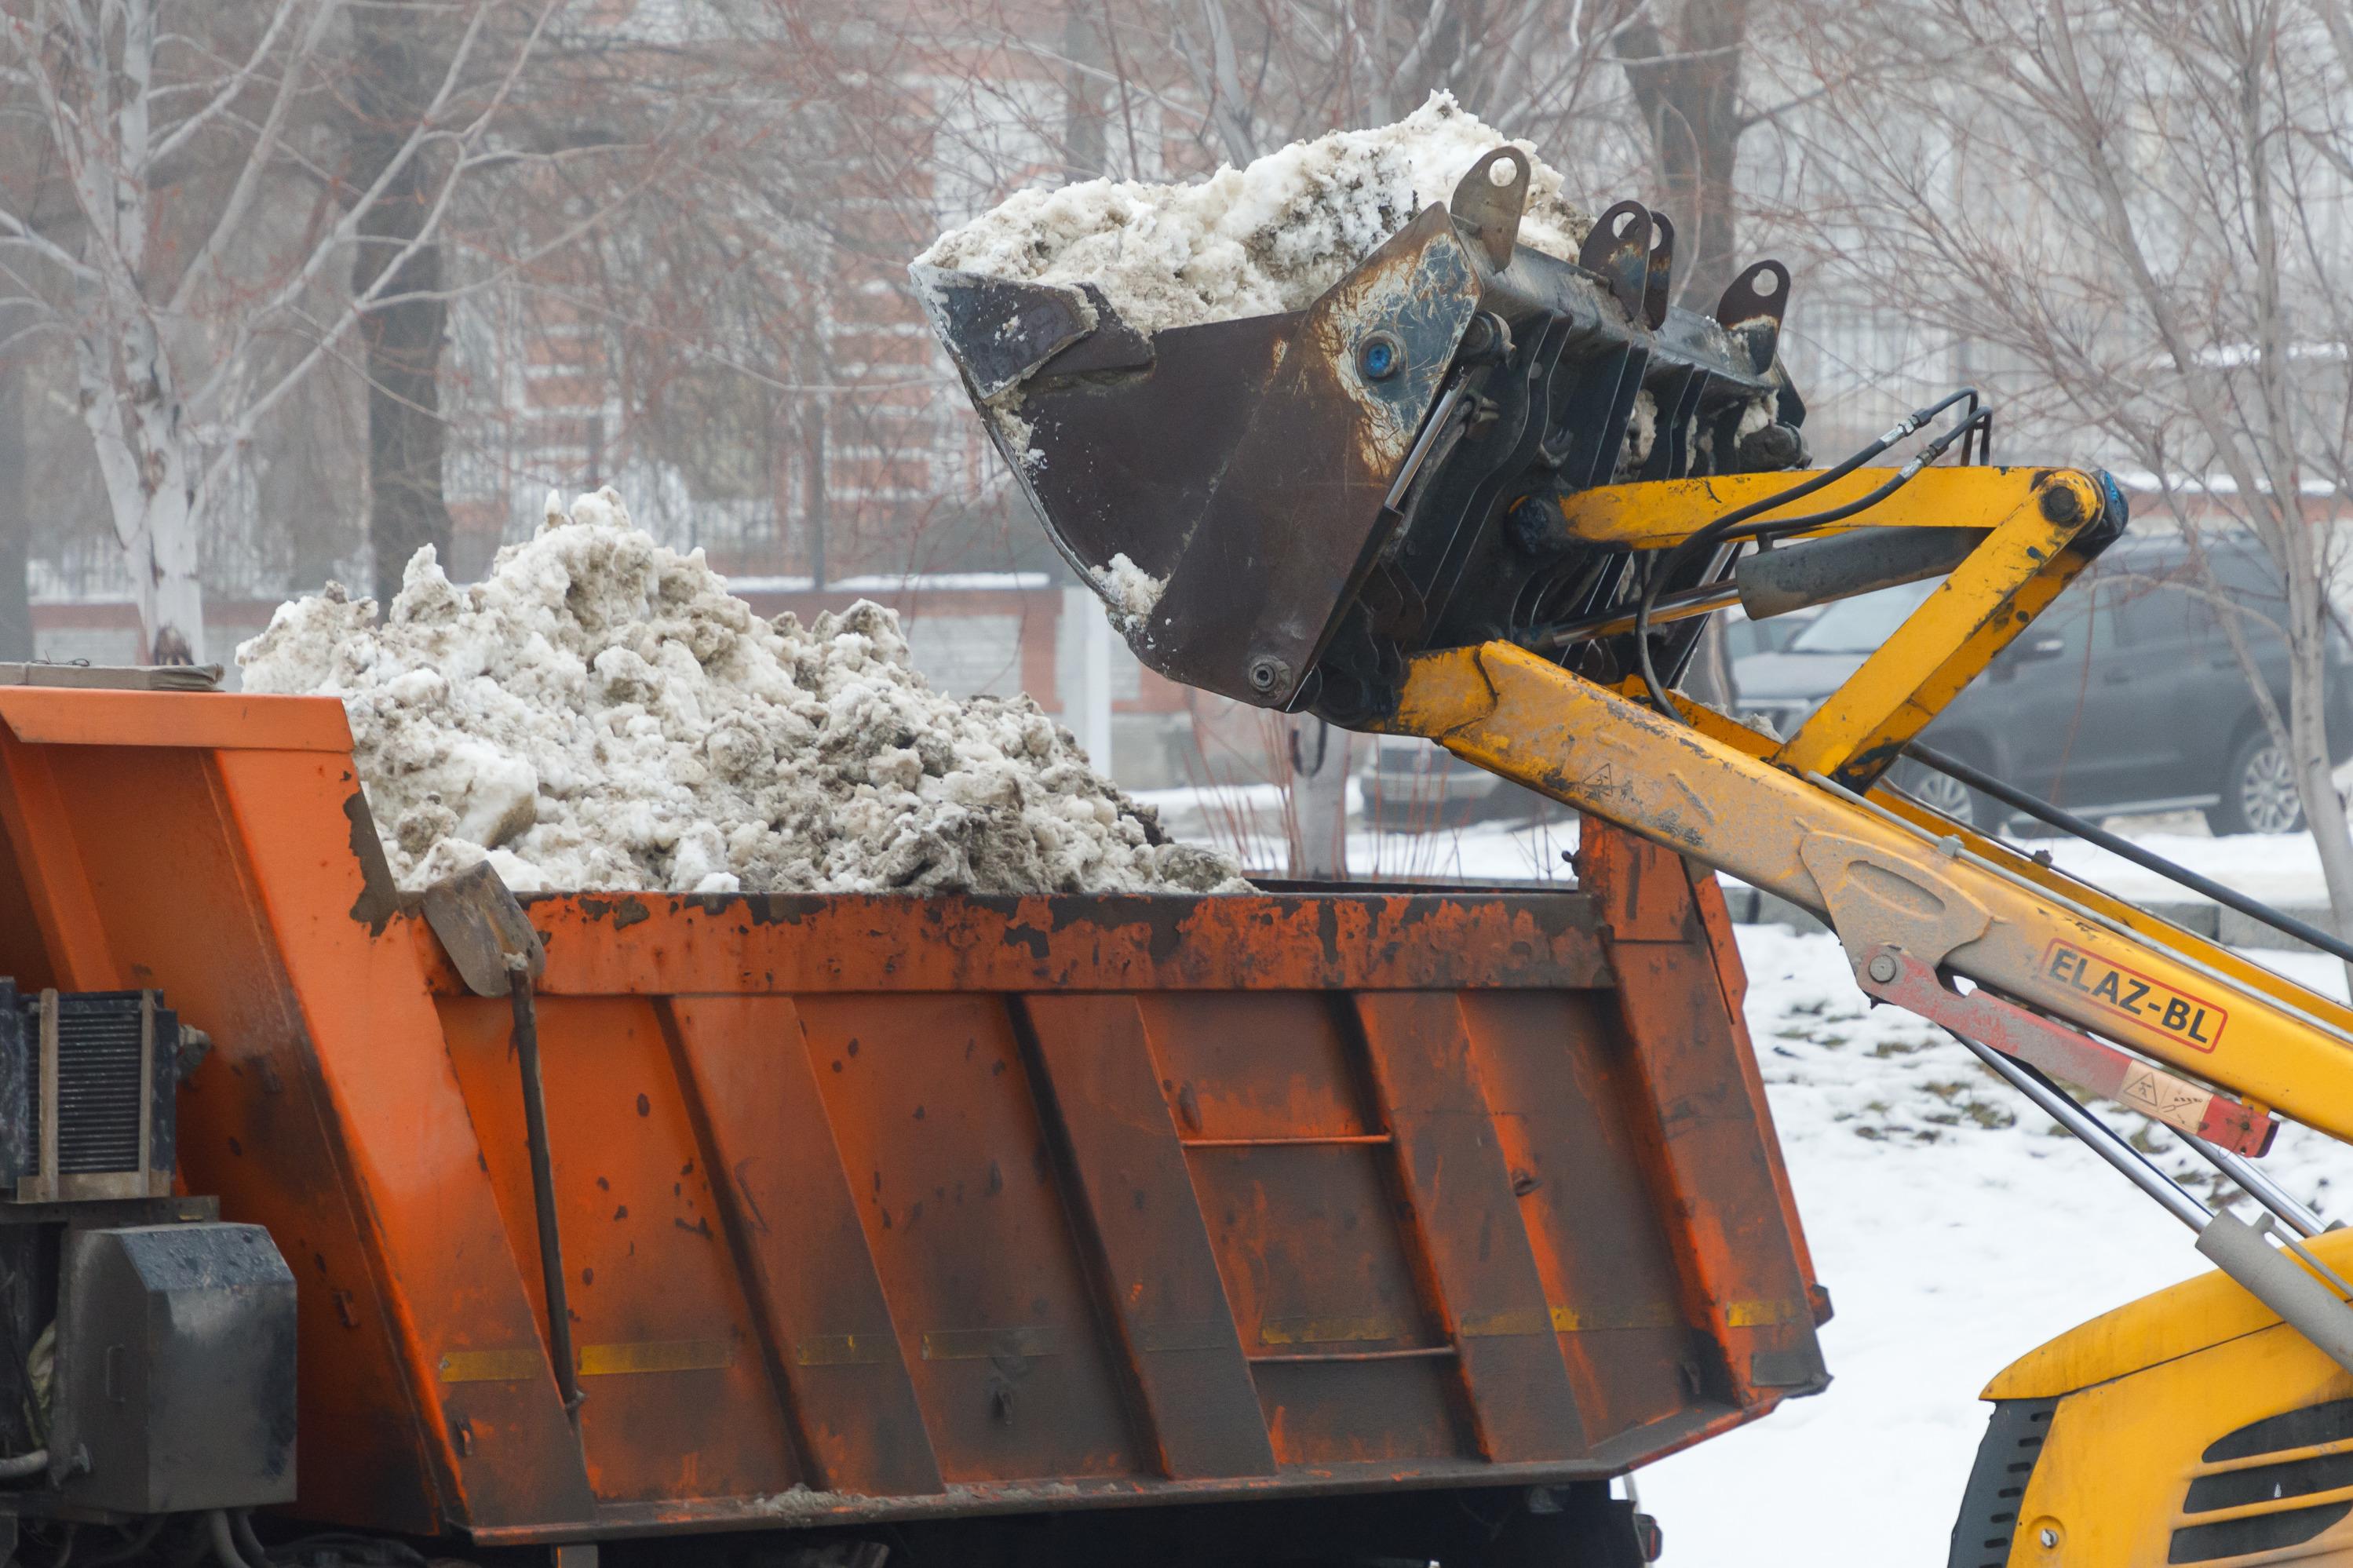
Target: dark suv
[2122,697]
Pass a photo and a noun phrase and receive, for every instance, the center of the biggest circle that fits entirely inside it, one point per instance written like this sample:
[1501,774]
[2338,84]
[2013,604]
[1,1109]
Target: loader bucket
[1242,463]
[1316,494]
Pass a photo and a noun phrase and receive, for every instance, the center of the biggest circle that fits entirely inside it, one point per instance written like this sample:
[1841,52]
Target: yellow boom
[2190,1426]
[1785,816]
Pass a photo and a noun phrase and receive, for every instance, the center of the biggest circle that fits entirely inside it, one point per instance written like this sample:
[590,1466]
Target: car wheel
[1950,797]
[2258,790]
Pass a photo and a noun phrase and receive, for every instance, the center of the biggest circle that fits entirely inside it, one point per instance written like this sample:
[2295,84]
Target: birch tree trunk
[196,277]
[2306,739]
[147,458]
[1319,800]
[130,399]
[1084,133]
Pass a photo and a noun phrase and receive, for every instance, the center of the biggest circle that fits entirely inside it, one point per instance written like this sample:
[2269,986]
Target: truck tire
[2258,789]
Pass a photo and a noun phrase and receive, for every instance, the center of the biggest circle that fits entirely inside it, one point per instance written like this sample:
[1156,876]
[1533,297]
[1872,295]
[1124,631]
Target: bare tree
[2134,215]
[181,248]
[1682,59]
[394,68]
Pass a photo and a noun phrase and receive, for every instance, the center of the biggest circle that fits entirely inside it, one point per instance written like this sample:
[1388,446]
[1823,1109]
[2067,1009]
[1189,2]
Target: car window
[2064,621]
[1743,636]
[1861,624]
[2247,574]
[2250,582]
[2201,618]
[2084,620]
[2169,605]
[2152,613]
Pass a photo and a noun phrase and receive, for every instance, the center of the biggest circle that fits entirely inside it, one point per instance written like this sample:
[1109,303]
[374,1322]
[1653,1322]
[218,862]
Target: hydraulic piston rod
[2236,1248]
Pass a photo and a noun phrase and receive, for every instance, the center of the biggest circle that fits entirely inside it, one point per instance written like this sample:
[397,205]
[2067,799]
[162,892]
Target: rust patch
[1040,944]
[1417,937]
[624,912]
[779,909]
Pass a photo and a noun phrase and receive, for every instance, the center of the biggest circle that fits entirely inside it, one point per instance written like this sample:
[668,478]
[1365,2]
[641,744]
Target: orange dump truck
[1388,1222]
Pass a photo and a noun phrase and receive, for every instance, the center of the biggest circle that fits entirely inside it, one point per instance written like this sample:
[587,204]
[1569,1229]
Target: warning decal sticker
[2193,1021]
[2179,1104]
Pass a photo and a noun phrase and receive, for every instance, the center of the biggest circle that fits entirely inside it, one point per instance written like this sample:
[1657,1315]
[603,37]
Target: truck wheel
[2258,790]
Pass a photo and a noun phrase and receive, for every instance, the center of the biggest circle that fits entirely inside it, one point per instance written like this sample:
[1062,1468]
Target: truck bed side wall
[897,1208]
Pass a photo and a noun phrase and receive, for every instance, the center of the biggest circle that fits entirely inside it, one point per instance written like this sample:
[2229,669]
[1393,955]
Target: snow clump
[1252,241]
[601,713]
[1128,589]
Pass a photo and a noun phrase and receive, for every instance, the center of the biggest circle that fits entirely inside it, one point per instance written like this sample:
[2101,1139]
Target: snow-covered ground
[2282,870]
[1956,1230]
[1247,821]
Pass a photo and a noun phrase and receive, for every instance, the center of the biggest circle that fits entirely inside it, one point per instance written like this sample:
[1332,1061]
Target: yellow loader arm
[1884,872]
[2212,1423]
[1799,818]
[1395,508]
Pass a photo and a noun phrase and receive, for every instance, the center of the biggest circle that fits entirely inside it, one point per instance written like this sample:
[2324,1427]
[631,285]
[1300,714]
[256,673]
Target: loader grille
[2297,1472]
[2006,1460]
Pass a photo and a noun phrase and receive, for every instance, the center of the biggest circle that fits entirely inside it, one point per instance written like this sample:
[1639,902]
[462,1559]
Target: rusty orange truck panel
[887,1208]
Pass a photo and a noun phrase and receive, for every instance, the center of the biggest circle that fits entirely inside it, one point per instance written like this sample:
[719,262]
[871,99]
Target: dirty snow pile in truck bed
[601,713]
[1250,241]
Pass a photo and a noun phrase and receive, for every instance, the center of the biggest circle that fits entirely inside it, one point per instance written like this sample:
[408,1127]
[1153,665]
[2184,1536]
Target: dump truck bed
[880,1207]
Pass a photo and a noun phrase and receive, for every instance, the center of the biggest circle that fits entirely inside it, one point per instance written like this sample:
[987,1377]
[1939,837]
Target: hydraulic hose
[2239,1249]
[240,1525]
[224,1541]
[2095,1134]
[2091,833]
[1736,524]
[2260,1187]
